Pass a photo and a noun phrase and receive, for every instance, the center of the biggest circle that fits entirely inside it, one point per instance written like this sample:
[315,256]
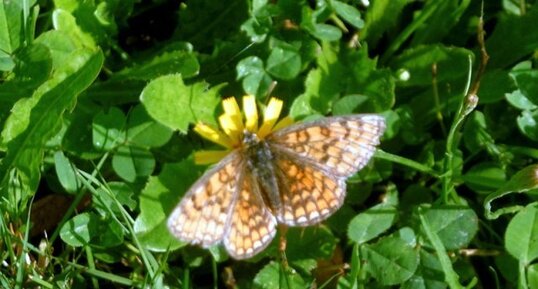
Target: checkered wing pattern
[340,145]
[252,225]
[309,195]
[314,159]
[202,215]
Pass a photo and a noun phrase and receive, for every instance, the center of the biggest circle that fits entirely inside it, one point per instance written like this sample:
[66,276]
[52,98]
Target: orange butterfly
[294,175]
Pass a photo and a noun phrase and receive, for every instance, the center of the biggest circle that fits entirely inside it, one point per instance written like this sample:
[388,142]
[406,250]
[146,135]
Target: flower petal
[251,113]
[231,108]
[283,123]
[213,135]
[230,127]
[209,157]
[270,116]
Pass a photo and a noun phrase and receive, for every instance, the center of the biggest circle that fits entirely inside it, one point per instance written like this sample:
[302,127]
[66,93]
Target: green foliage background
[98,98]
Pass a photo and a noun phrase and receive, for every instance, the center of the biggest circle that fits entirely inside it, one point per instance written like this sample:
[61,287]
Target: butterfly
[295,176]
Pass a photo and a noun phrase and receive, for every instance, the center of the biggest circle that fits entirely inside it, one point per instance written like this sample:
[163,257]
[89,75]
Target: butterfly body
[295,176]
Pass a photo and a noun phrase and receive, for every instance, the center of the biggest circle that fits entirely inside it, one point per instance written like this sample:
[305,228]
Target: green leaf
[88,228]
[108,129]
[176,105]
[274,276]
[523,181]
[371,223]
[528,124]
[255,80]
[107,199]
[512,40]
[532,276]
[349,13]
[348,103]
[494,86]
[476,135]
[35,120]
[284,62]
[391,261]
[142,130]
[160,195]
[527,82]
[455,226]
[66,172]
[484,177]
[520,237]
[130,162]
[11,25]
[429,274]
[451,63]
[381,16]
[310,243]
[67,23]
[520,101]
[170,62]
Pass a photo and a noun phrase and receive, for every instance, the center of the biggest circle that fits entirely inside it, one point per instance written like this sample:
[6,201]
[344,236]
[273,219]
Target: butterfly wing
[314,159]
[308,194]
[202,215]
[252,225]
[341,145]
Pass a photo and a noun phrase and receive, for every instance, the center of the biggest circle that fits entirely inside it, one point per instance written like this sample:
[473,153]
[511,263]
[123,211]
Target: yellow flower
[233,127]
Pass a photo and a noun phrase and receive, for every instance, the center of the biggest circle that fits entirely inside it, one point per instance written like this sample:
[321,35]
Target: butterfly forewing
[252,225]
[308,194]
[341,145]
[202,215]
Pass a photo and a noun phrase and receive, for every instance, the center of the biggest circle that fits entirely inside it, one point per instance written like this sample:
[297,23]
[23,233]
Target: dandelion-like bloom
[234,125]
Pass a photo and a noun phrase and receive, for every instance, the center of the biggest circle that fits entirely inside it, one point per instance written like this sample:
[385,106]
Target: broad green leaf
[66,172]
[274,276]
[34,120]
[494,86]
[170,62]
[484,177]
[142,130]
[429,274]
[108,129]
[11,25]
[512,39]
[160,195]
[532,276]
[6,61]
[106,202]
[391,261]
[284,62]
[444,16]
[89,229]
[131,162]
[33,66]
[381,16]
[527,82]
[451,62]
[455,226]
[60,45]
[528,124]
[520,237]
[348,103]
[371,223]
[520,101]
[349,13]
[254,78]
[523,181]
[476,135]
[176,105]
[322,31]
[310,243]
[65,22]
